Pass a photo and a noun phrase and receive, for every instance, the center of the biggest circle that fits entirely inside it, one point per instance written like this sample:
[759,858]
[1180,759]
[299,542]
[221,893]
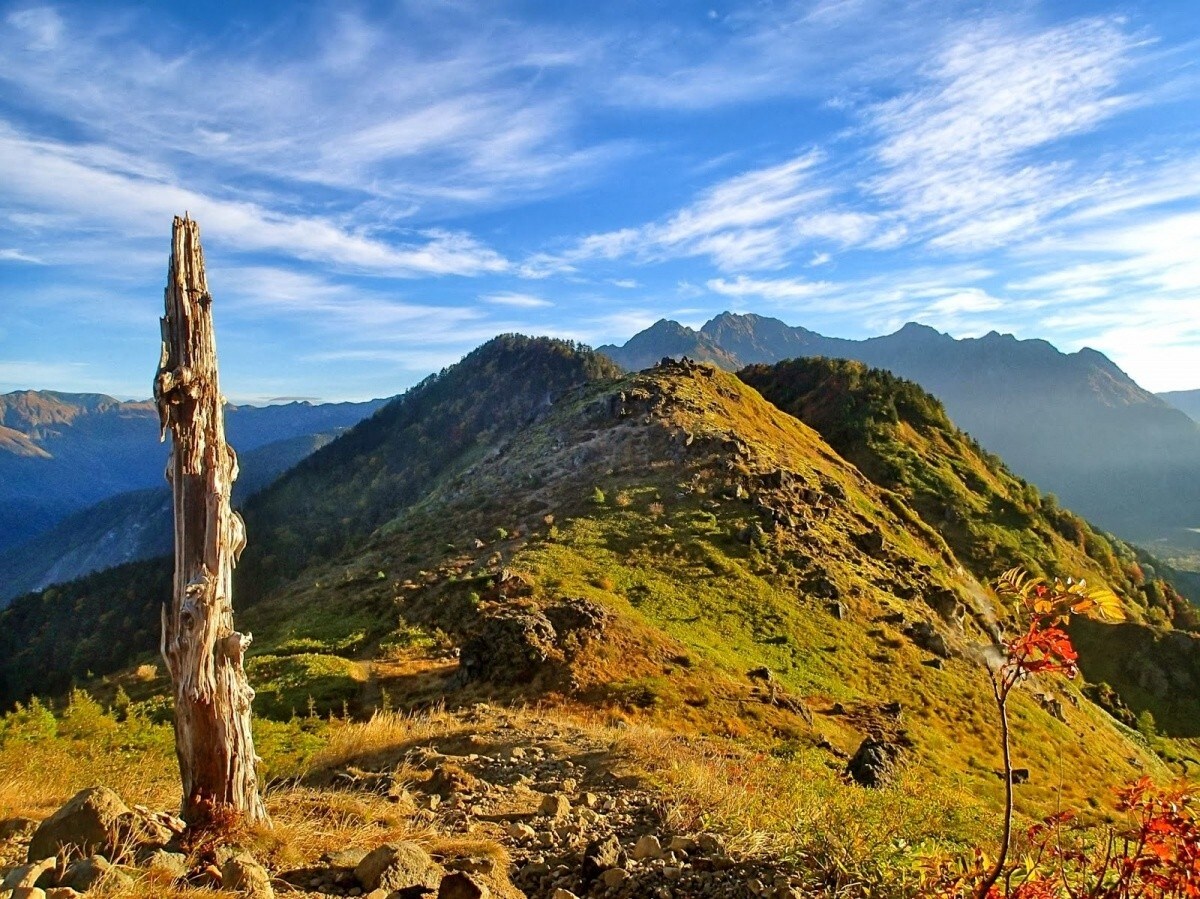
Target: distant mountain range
[1074,424]
[132,525]
[81,476]
[1187,400]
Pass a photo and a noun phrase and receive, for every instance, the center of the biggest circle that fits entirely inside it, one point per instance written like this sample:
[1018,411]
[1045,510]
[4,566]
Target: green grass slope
[901,438]
[635,546]
[715,535]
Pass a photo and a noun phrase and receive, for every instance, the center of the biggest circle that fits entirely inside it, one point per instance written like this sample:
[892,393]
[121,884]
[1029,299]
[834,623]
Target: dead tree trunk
[202,650]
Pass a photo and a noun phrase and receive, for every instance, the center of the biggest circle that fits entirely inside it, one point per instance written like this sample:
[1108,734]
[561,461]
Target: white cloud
[10,254]
[98,195]
[754,220]
[40,27]
[956,151]
[368,106]
[517,300]
[776,289]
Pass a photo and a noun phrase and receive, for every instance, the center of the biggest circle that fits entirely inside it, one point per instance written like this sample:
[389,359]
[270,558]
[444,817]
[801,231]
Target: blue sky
[381,187]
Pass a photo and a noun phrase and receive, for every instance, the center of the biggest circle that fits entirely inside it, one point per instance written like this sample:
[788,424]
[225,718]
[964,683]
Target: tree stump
[203,652]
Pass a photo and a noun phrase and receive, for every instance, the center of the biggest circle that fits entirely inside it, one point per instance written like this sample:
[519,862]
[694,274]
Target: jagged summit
[1073,423]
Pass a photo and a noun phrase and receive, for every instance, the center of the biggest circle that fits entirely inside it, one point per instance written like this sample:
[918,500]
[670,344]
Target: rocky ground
[516,805]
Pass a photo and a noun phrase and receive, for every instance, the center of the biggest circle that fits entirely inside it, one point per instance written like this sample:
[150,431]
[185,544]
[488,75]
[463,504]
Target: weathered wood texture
[203,652]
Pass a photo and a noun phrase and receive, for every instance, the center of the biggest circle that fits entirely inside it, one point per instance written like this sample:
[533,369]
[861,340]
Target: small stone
[555,805]
[62,893]
[589,800]
[520,831]
[682,844]
[246,875]
[461,885]
[614,877]
[672,872]
[560,893]
[27,875]
[711,844]
[27,893]
[647,846]
[85,873]
[396,866]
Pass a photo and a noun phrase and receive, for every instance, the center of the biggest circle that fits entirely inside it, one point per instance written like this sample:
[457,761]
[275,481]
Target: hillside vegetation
[717,586]
[1074,424]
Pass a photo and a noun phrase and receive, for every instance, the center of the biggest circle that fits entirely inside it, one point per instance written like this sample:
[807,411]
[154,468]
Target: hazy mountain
[63,452]
[130,526]
[1186,400]
[641,543]
[1074,424]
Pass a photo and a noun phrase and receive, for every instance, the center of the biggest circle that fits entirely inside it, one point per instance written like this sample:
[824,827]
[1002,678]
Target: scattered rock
[599,856]
[648,846]
[27,893]
[555,805]
[94,820]
[27,875]
[925,636]
[560,893]
[87,873]
[167,865]
[62,893]
[395,866]
[510,645]
[872,763]
[462,886]
[246,875]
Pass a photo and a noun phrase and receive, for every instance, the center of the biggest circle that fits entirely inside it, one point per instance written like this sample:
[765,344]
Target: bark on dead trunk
[202,651]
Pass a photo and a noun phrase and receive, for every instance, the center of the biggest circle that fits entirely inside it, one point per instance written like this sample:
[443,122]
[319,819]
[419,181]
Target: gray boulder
[872,763]
[94,820]
[247,876]
[396,866]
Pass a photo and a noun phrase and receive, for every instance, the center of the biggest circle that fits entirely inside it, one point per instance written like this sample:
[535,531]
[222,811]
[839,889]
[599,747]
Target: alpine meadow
[622,451]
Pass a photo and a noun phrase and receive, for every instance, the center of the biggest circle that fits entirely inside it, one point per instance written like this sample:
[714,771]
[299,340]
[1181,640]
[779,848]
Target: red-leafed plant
[1155,855]
[1041,610]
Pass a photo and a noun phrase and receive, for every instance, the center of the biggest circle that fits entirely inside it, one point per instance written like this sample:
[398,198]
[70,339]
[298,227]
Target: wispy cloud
[770,289]
[754,220]
[956,150]
[517,300]
[94,189]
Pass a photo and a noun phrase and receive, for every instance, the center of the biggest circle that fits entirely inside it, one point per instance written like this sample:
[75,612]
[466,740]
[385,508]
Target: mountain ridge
[1075,424]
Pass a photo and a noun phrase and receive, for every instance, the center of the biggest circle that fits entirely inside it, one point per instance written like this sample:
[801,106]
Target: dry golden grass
[382,738]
